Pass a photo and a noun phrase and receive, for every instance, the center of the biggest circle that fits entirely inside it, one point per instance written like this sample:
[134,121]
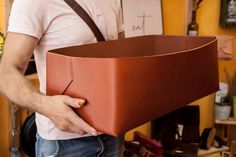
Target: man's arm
[17,51]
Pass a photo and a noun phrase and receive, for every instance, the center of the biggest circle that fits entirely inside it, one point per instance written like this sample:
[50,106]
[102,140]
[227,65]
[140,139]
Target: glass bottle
[193,25]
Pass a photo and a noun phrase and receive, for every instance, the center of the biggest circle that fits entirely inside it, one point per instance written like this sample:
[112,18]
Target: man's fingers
[82,125]
[73,102]
[66,119]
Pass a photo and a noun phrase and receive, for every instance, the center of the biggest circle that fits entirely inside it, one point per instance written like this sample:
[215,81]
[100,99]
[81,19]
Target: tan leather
[131,81]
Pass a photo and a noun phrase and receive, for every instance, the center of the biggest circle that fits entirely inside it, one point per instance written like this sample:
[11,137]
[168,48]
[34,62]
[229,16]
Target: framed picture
[228,13]
[142,17]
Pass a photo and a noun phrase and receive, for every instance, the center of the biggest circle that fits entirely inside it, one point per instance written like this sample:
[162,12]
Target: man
[41,25]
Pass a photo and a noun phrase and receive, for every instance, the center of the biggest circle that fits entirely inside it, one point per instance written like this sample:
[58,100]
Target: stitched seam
[102,147]
[57,150]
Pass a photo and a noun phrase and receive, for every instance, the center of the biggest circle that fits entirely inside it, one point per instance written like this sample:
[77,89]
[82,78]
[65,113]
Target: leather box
[131,81]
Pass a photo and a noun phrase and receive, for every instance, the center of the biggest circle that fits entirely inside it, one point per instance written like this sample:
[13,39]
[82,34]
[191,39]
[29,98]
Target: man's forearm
[18,89]
[18,49]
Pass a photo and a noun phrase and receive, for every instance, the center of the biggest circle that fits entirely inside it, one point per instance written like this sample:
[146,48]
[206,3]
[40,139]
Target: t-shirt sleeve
[27,17]
[120,22]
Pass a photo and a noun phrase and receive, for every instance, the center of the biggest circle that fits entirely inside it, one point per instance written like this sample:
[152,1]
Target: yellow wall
[174,16]
[1,16]
[4,141]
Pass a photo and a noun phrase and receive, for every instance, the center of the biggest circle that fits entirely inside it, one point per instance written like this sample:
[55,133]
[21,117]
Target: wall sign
[142,17]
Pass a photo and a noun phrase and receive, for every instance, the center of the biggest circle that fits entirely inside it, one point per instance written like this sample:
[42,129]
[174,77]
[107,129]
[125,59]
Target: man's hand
[59,110]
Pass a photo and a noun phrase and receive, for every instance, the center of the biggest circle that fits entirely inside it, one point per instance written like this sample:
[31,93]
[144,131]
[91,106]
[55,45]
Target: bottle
[193,25]
[14,148]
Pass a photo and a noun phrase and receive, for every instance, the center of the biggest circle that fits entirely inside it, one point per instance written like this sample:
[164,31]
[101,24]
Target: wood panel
[4,123]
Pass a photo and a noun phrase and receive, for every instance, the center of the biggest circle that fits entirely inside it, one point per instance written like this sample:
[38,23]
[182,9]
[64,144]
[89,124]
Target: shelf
[226,122]
[212,150]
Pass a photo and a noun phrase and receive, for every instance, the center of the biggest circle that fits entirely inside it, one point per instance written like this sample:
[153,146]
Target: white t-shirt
[56,25]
